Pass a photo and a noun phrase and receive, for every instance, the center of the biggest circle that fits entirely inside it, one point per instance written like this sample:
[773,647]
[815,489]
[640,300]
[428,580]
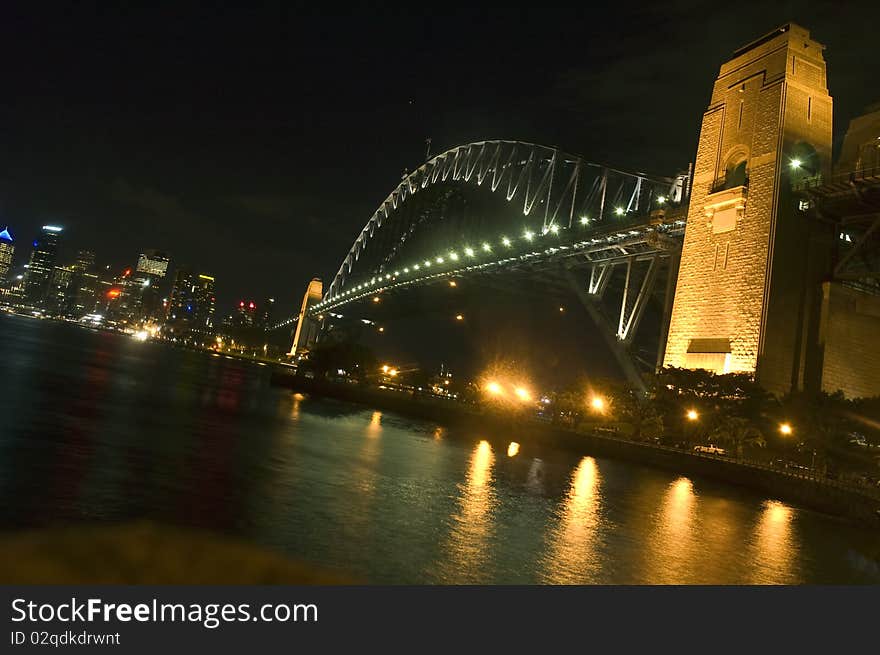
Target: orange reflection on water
[673,546]
[512,449]
[374,429]
[467,547]
[774,546]
[294,412]
[572,557]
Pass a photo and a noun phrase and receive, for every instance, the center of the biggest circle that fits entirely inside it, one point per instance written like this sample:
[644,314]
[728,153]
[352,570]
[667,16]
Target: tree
[356,360]
[738,431]
[641,414]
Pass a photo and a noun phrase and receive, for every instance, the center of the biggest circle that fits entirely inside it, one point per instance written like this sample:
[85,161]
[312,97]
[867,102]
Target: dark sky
[254,143]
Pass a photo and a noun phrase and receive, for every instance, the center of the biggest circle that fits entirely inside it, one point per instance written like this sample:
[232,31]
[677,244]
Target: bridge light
[469,252]
[405,269]
[487,247]
[427,263]
[584,220]
[795,164]
[453,256]
[381,329]
[786,429]
[396,273]
[598,404]
[385,368]
[439,260]
[452,283]
[692,415]
[554,229]
[416,267]
[620,211]
[561,310]
[375,298]
[388,276]
[459,317]
[661,200]
[505,241]
[528,235]
[512,449]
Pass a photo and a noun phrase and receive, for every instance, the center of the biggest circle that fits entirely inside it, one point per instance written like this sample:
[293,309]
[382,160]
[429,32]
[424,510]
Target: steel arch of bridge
[545,183]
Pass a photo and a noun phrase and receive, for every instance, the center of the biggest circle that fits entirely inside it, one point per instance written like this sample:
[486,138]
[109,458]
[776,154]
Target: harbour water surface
[100,428]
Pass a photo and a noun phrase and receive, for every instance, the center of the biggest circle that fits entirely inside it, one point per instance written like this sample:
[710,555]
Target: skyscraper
[7,250]
[152,266]
[42,264]
[153,263]
[82,292]
[191,306]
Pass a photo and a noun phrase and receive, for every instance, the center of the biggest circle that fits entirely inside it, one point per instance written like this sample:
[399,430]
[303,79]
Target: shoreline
[825,496]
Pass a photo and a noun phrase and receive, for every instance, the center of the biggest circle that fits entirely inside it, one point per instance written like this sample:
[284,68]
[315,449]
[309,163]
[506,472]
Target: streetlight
[494,388]
[692,415]
[795,164]
[523,394]
[598,404]
[459,317]
[785,429]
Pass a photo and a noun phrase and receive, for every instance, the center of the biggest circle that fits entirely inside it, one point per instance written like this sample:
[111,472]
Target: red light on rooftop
[251,306]
[126,272]
[241,304]
[114,293]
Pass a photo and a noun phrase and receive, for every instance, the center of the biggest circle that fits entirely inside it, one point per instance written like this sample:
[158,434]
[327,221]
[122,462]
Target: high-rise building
[58,292]
[7,250]
[265,313]
[191,306]
[85,261]
[153,263]
[152,266]
[42,264]
[82,291]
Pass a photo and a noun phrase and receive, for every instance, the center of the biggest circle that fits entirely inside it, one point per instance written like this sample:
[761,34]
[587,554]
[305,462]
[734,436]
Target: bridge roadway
[610,243]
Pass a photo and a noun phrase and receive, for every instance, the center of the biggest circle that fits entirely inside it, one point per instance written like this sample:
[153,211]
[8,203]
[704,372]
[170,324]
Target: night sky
[254,144]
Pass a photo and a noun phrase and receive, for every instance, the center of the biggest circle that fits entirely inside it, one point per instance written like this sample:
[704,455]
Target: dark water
[98,427]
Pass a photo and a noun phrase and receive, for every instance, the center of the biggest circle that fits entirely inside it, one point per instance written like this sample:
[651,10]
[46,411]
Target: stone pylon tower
[751,260]
[307,328]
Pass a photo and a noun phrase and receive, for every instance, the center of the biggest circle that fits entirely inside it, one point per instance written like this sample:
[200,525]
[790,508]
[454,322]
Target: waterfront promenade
[857,503]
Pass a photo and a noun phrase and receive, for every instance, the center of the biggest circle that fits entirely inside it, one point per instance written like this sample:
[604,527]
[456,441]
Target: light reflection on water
[97,427]
[572,558]
[467,545]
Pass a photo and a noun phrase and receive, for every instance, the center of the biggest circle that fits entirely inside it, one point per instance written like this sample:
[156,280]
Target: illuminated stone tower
[307,328]
[751,261]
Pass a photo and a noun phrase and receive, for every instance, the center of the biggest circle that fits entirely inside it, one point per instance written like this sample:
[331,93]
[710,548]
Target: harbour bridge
[763,257]
[505,211]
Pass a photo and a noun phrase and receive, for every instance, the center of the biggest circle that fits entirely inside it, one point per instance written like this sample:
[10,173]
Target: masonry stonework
[745,279]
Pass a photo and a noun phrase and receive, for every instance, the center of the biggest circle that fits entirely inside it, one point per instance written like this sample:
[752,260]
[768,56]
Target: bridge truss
[496,209]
